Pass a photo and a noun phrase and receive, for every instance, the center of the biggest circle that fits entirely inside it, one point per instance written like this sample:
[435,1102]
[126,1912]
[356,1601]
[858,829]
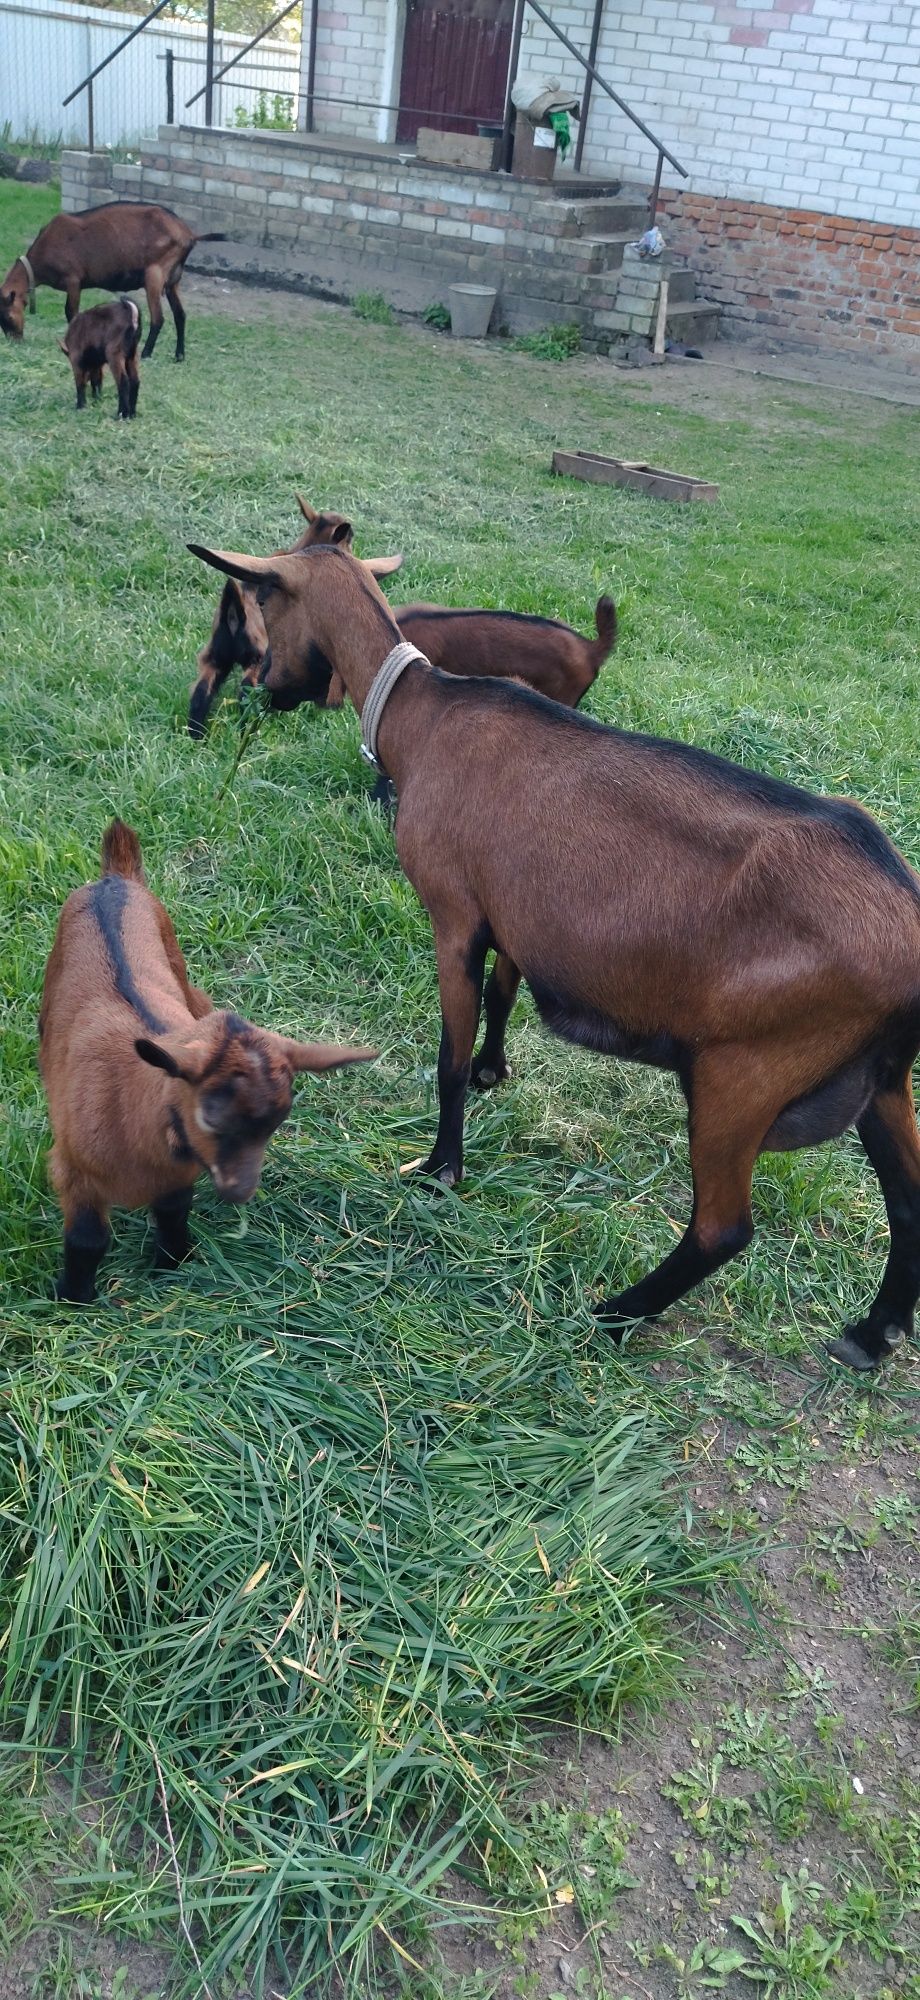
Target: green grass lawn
[300,1548]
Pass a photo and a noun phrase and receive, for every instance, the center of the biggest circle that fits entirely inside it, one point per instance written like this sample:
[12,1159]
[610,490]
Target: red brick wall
[823,280]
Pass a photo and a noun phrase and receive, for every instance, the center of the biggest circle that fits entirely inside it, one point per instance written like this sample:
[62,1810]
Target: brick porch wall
[336,223]
[812,278]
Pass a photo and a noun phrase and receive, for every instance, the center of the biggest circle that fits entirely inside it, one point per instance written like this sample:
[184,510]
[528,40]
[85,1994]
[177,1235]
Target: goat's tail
[121,852]
[212,236]
[132,332]
[605,618]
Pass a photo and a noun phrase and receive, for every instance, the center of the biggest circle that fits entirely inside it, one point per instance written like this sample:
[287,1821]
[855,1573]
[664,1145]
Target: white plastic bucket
[471,310]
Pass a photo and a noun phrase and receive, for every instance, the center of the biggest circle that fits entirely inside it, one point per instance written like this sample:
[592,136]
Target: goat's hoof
[84,1297]
[485,1076]
[440,1171]
[851,1351]
[613,1320]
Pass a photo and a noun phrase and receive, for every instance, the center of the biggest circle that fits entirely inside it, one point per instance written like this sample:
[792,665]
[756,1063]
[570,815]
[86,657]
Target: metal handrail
[89,80]
[591,70]
[260,37]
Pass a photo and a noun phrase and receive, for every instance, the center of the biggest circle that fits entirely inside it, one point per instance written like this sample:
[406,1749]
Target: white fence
[48,46]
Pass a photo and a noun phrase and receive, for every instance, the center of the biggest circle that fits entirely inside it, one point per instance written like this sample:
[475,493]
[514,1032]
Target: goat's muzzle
[237,1182]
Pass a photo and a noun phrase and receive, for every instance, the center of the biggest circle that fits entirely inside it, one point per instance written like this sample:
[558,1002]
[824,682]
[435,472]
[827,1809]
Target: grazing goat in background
[148,1085]
[662,904]
[118,246]
[106,336]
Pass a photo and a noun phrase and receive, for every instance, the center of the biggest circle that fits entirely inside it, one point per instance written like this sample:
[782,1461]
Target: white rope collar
[30,277]
[381,688]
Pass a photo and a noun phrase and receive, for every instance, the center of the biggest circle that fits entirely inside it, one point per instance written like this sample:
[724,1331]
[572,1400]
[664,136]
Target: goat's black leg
[178,312]
[384,793]
[490,1066]
[888,1130]
[86,1239]
[153,286]
[174,1240]
[728,1120]
[461,966]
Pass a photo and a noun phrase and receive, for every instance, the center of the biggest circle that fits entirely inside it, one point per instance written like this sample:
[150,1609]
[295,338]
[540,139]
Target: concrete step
[606,250]
[681,285]
[695,321]
[600,218]
[581,187]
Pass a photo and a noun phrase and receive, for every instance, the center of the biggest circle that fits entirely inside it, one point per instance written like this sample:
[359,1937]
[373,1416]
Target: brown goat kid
[149,1085]
[119,246]
[238,635]
[662,905]
[106,336]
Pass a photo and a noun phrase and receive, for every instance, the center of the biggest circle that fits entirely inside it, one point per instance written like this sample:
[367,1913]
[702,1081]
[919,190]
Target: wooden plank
[652,480]
[658,342]
[454,149]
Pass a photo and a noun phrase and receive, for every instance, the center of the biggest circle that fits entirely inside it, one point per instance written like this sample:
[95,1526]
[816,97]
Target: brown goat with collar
[662,904]
[148,1084]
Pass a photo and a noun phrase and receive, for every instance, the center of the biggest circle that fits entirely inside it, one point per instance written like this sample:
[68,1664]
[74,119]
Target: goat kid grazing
[148,1084]
[119,247]
[105,336]
[238,636]
[662,904]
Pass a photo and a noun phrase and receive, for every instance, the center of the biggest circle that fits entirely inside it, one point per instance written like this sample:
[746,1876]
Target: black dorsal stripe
[108,901]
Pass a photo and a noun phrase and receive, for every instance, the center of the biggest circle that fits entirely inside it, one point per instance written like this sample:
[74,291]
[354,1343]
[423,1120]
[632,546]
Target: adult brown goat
[118,246]
[148,1084]
[662,905]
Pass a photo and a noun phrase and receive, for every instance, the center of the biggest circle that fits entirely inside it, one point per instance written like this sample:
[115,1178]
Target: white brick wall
[355,46]
[801,103]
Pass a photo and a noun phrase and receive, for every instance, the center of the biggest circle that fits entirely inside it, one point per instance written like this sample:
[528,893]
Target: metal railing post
[311,66]
[656,190]
[170,88]
[508,120]
[589,80]
[209,68]
[90,121]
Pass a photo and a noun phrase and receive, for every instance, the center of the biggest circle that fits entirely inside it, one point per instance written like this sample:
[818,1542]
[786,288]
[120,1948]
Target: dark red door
[454,65]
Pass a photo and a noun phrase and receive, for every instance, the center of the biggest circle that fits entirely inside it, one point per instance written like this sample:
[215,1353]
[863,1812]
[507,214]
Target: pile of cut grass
[298,1596]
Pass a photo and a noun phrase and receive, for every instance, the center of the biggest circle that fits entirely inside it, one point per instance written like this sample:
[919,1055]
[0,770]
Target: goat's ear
[343,534]
[309,513]
[249,569]
[382,565]
[232,609]
[323,1055]
[159,1055]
